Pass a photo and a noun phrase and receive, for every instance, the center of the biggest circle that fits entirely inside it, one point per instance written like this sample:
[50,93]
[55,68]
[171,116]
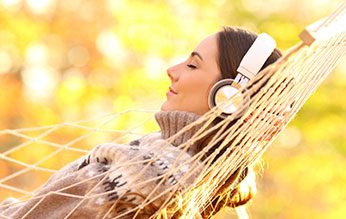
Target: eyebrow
[197,54]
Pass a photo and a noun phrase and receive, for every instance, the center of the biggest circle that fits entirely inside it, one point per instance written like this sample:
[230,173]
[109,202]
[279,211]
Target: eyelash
[191,66]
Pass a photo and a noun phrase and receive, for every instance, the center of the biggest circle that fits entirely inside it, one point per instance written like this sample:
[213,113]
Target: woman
[131,180]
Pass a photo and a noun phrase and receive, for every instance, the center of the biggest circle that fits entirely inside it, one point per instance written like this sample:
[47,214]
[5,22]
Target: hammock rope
[276,95]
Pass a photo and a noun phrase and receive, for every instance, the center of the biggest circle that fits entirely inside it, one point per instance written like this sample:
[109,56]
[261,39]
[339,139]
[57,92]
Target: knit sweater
[114,178]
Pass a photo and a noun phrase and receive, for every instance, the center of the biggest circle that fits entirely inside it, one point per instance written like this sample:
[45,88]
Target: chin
[166,106]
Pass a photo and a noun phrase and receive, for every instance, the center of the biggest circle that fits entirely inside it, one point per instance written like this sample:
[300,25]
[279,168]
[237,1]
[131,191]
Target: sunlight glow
[36,53]
[155,68]
[41,6]
[11,5]
[40,82]
[108,43]
[115,6]
[10,2]
[111,47]
[5,62]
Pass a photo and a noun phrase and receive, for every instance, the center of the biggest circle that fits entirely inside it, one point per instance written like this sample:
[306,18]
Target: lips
[172,90]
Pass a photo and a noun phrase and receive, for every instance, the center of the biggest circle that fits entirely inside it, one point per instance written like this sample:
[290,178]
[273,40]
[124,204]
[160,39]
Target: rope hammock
[273,99]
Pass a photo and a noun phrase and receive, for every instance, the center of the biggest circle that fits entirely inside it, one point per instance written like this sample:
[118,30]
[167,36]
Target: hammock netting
[273,99]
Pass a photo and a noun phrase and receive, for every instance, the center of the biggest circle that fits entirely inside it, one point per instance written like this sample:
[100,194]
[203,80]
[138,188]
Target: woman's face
[192,79]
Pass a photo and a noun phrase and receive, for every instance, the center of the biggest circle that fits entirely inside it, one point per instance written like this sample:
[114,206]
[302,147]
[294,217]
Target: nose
[173,73]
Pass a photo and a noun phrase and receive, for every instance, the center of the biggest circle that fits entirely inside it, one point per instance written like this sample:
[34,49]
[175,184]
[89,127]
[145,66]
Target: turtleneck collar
[171,122]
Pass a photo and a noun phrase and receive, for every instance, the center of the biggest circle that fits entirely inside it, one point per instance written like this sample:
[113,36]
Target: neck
[171,122]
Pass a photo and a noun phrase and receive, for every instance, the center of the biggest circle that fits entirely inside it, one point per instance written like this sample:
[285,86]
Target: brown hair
[233,43]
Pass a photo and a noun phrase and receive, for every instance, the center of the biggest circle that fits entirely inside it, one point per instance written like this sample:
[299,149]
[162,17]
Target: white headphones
[252,62]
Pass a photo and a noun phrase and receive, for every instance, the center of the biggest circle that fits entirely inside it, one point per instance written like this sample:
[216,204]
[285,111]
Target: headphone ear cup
[223,91]
[212,94]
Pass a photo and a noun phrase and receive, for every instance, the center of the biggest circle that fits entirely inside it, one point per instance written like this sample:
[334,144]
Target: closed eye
[191,66]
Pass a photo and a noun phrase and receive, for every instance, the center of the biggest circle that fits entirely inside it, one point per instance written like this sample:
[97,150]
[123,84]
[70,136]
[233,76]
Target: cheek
[199,85]
[199,90]
[196,91]
[194,87]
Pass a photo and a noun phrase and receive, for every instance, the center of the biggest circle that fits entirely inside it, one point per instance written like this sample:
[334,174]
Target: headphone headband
[257,55]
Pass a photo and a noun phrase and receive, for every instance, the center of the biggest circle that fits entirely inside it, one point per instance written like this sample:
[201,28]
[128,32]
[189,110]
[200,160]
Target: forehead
[208,48]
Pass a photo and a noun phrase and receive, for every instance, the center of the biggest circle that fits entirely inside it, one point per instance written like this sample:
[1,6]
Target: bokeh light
[12,5]
[78,56]
[36,54]
[40,82]
[41,6]
[5,62]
